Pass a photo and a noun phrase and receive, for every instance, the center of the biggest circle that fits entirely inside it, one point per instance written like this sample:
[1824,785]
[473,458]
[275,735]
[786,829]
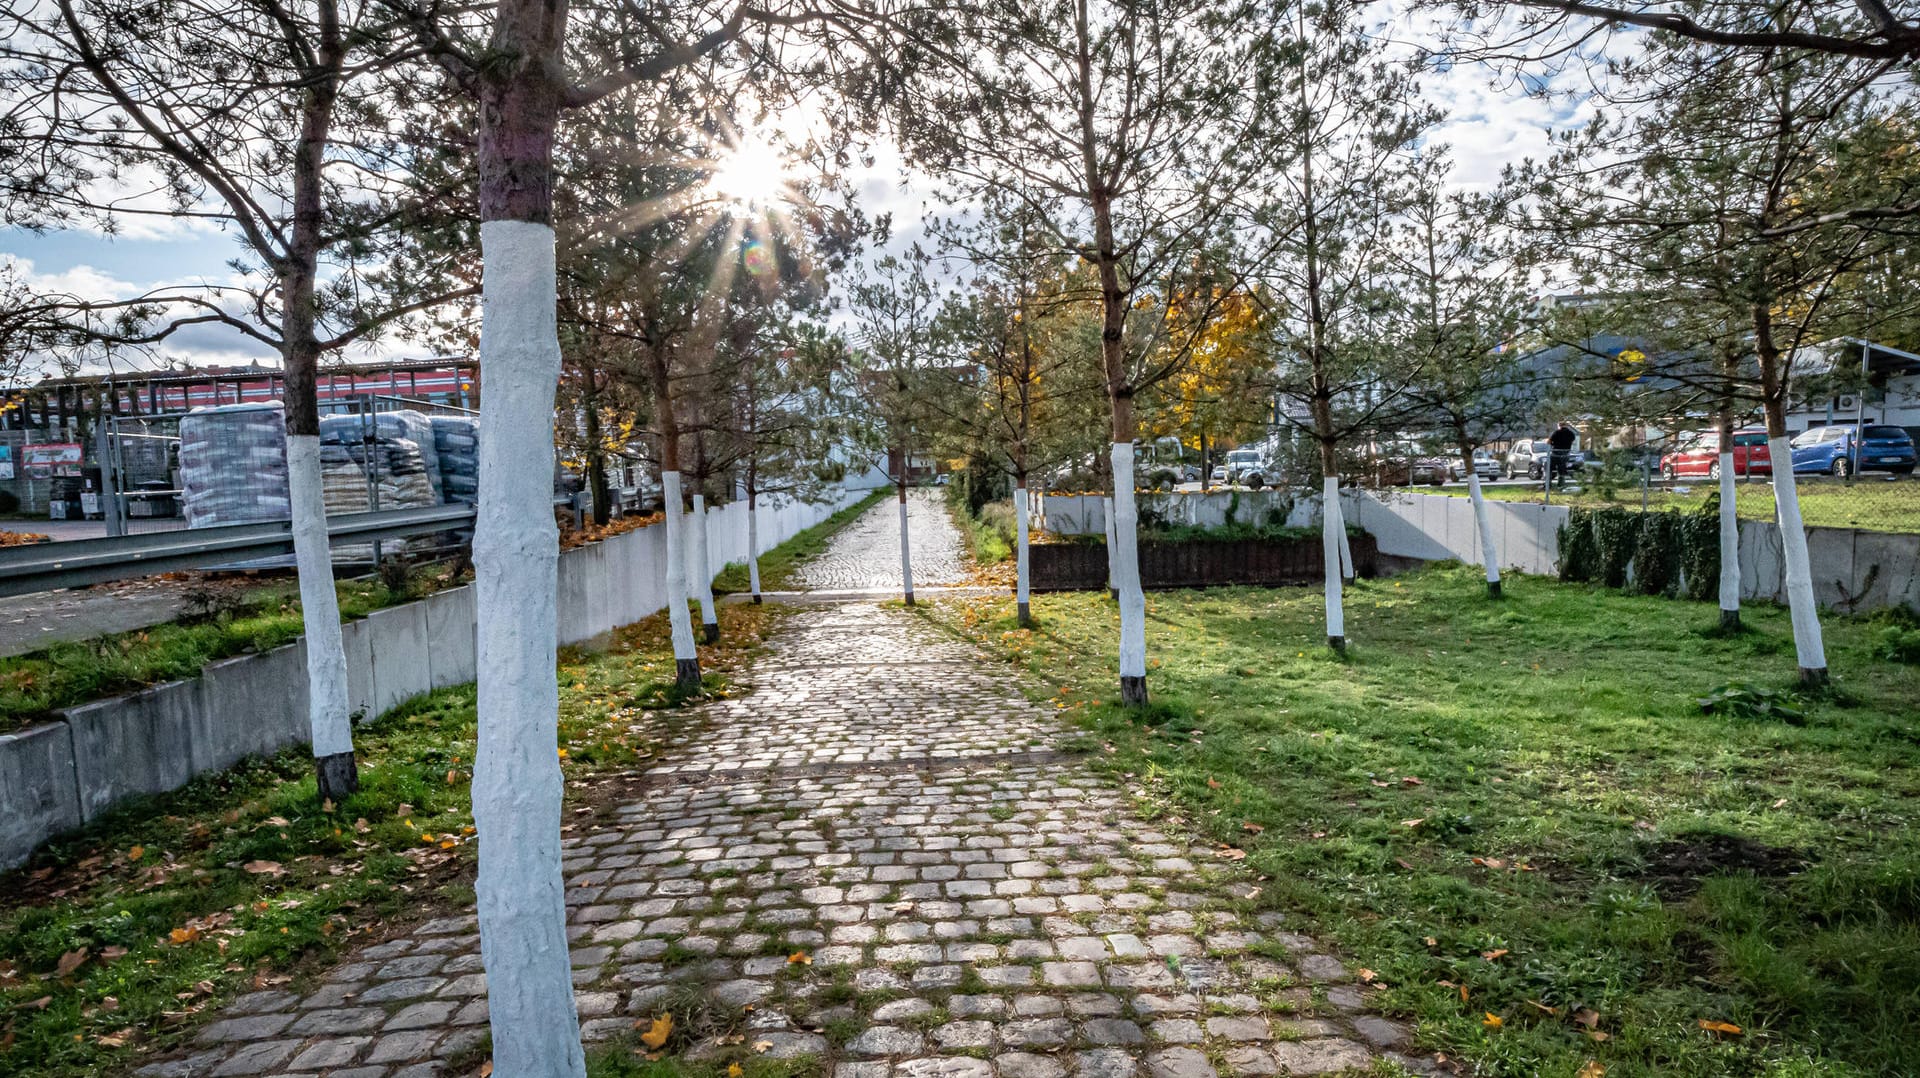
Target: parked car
[1485,465]
[1698,454]
[1528,457]
[1836,450]
[1248,467]
[1394,471]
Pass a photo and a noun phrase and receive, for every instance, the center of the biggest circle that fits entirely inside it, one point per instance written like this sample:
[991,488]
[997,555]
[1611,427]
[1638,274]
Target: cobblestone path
[866,554]
[880,862]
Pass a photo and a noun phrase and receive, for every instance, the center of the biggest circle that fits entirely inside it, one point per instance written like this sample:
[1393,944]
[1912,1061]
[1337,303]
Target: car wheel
[1841,469]
[1668,472]
[1255,481]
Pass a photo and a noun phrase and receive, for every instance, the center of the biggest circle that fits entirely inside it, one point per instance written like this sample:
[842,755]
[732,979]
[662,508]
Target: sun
[752,173]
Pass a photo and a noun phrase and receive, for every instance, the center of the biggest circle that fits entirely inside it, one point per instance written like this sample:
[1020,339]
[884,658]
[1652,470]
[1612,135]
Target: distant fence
[1194,564]
[1854,570]
[59,775]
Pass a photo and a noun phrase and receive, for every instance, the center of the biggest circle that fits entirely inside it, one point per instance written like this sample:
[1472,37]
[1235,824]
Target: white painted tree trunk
[1729,544]
[1106,521]
[1346,543]
[1020,590]
[1124,563]
[328,718]
[753,551]
[1807,644]
[1489,554]
[1332,530]
[702,571]
[906,552]
[516,778]
[686,656]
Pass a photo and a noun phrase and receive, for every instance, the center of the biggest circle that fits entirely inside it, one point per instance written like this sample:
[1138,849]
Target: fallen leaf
[1415,822]
[1543,1008]
[326,805]
[1213,783]
[39,1004]
[799,958]
[1587,1016]
[361,826]
[1492,1021]
[1782,803]
[1409,780]
[1382,785]
[404,810]
[136,853]
[1591,1069]
[265,868]
[184,935]
[1233,854]
[1252,828]
[657,1034]
[1492,955]
[734,1070]
[1366,975]
[279,821]
[111,954]
[762,1046]
[1431,942]
[1720,1027]
[70,961]
[452,776]
[486,1069]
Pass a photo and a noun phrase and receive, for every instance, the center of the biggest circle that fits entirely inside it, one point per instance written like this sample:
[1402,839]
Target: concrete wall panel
[38,797]
[401,669]
[452,651]
[251,705]
[133,745]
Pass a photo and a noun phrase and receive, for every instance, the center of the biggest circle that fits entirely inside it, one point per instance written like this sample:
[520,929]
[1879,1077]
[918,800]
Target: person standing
[1561,460]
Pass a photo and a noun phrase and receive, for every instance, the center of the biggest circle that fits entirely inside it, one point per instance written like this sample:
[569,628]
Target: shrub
[1615,535]
[1578,555]
[1656,557]
[1700,550]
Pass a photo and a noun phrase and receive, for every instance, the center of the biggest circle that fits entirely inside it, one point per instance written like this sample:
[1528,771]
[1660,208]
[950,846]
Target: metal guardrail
[47,566]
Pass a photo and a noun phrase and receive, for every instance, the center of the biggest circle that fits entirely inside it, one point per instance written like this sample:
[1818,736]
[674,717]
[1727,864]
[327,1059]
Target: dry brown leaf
[1591,1069]
[404,810]
[1409,780]
[657,1034]
[265,868]
[1415,822]
[70,961]
[279,821]
[1588,1017]
[1494,954]
[361,826]
[184,935]
[762,1046]
[1213,783]
[1252,828]
[326,805]
[486,1069]
[1232,854]
[1543,1008]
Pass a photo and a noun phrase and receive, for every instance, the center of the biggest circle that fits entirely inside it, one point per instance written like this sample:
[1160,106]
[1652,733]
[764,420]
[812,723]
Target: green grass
[322,881]
[991,535]
[779,567]
[1870,502]
[1635,856]
[36,685]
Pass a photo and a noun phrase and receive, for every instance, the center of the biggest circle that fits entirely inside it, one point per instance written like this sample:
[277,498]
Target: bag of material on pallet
[457,439]
[233,464]
[366,465]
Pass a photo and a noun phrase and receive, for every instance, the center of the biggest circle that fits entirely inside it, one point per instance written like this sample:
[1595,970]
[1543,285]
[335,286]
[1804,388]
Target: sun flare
[751,173]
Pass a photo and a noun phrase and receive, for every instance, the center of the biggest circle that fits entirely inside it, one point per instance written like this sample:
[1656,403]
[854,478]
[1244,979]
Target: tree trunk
[906,546]
[686,656]
[596,455]
[1489,555]
[1807,643]
[1020,581]
[329,722]
[702,572]
[1126,568]
[753,538]
[516,781]
[1729,520]
[1206,467]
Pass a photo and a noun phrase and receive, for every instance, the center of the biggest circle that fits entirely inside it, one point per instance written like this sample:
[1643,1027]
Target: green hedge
[1672,553]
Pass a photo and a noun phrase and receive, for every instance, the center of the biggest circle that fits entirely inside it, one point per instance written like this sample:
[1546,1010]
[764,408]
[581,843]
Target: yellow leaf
[136,853]
[1720,1027]
[735,1070]
[657,1035]
[184,935]
[1592,1069]
[799,958]
[1492,1021]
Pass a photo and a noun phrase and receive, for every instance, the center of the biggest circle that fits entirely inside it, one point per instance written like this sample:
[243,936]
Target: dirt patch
[1677,866]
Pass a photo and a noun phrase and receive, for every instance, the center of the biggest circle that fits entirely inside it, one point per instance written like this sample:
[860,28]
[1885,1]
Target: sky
[1490,123]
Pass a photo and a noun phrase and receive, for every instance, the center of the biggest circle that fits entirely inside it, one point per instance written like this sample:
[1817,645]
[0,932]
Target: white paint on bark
[906,553]
[1807,644]
[1125,565]
[516,780]
[1106,521]
[1729,537]
[678,621]
[1489,555]
[753,552]
[702,572]
[1020,518]
[1332,530]
[328,717]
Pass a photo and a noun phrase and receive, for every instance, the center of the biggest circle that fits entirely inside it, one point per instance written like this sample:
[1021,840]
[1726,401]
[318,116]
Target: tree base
[1025,615]
[1730,621]
[710,632]
[1813,677]
[1493,589]
[337,776]
[686,676]
[1337,643]
[1133,691]
[756,598]
[909,598]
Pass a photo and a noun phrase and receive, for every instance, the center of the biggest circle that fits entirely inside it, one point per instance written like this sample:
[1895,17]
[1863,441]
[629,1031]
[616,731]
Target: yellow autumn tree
[1218,397]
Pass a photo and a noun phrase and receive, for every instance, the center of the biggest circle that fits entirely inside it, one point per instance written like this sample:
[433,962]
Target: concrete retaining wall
[59,775]
[1085,514]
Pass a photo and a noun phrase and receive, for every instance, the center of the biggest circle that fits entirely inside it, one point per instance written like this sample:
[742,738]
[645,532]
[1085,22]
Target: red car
[1698,454]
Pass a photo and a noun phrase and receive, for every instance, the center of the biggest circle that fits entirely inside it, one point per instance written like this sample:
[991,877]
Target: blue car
[1835,451]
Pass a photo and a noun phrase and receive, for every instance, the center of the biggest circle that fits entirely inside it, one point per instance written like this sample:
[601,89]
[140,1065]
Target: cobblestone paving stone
[991,912]
[866,553]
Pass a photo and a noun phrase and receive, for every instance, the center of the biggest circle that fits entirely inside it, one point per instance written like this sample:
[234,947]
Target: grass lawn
[35,685]
[1515,818]
[1871,502]
[779,565]
[127,935]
